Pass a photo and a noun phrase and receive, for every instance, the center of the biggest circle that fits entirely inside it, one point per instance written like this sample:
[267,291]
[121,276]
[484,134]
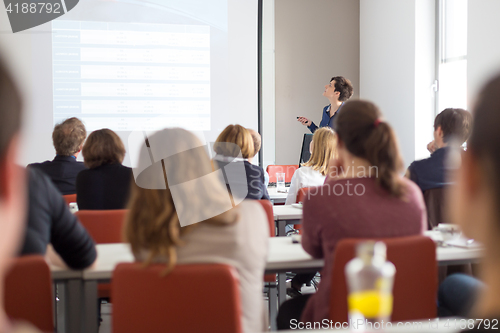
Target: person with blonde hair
[235,144]
[323,148]
[181,213]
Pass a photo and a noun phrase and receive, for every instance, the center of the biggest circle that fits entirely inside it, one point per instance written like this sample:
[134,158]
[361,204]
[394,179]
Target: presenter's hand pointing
[304,121]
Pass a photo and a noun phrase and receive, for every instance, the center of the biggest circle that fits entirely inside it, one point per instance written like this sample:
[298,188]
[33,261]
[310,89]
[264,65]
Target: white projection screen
[137,65]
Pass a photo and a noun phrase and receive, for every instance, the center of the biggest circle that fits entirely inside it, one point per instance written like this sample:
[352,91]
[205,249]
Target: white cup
[73,207]
[448,231]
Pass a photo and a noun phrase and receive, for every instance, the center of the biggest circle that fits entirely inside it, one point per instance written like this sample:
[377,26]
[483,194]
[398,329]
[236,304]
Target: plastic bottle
[370,278]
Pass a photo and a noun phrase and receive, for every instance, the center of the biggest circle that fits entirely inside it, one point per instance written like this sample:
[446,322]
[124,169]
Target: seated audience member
[451,127]
[365,198]
[67,138]
[240,147]
[257,141]
[51,222]
[12,190]
[323,148]
[474,206]
[164,226]
[106,182]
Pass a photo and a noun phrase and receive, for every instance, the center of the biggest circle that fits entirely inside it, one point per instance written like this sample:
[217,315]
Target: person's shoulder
[412,190]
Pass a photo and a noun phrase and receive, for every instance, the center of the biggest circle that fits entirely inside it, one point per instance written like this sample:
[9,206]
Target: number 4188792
[34,7]
[485,324]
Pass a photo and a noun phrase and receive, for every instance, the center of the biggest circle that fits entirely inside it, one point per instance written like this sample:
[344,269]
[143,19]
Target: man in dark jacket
[68,138]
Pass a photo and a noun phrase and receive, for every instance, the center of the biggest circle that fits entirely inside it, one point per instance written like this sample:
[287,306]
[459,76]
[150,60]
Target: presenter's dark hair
[456,124]
[484,143]
[10,109]
[103,147]
[364,134]
[344,87]
[68,136]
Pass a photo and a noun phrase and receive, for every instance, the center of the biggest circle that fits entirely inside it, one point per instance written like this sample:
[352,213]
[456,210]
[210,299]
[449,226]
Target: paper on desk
[464,243]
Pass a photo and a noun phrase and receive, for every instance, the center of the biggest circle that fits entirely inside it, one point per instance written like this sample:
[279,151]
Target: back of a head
[456,125]
[12,187]
[484,142]
[10,110]
[324,149]
[68,136]
[363,133]
[344,87]
[180,186]
[237,135]
[103,147]
[257,140]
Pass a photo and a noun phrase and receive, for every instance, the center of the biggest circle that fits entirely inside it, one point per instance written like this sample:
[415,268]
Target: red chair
[415,283]
[28,292]
[289,170]
[69,198]
[105,227]
[192,298]
[301,194]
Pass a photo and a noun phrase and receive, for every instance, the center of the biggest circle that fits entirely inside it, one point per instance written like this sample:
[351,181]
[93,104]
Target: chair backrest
[69,198]
[301,194]
[434,201]
[28,292]
[104,226]
[268,207]
[289,170]
[415,283]
[192,298]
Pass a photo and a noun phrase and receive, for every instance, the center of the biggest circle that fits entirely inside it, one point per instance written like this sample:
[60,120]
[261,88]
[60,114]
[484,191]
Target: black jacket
[62,170]
[50,221]
[104,187]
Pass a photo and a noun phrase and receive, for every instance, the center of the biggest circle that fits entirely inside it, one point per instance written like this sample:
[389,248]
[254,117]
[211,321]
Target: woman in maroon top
[364,196]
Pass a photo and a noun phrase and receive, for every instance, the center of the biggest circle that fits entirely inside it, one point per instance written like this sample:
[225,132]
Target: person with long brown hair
[181,212]
[323,148]
[475,207]
[364,197]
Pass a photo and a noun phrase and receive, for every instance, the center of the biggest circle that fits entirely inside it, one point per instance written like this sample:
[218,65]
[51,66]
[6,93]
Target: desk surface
[283,256]
[287,212]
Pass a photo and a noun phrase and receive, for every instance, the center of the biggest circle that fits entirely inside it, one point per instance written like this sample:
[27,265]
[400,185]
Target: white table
[277,197]
[284,215]
[284,256]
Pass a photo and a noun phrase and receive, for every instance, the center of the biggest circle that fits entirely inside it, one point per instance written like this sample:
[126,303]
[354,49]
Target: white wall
[483,48]
[425,74]
[268,85]
[396,70]
[315,40]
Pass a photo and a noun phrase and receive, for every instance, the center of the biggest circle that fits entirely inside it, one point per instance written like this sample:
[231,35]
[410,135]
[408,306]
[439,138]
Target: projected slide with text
[131,76]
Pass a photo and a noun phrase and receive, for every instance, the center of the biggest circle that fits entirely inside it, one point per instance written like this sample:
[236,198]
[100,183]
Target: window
[452,58]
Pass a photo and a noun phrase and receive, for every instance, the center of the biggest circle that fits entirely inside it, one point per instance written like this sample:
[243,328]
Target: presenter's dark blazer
[104,187]
[62,170]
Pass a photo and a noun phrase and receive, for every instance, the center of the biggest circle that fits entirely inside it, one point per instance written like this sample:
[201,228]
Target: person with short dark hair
[106,182]
[452,127]
[337,91]
[12,190]
[68,138]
